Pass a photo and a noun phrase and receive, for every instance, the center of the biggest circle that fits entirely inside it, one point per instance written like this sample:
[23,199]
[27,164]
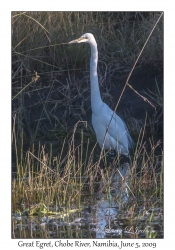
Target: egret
[111,132]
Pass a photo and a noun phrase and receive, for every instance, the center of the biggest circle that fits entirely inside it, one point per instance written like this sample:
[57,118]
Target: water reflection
[107,209]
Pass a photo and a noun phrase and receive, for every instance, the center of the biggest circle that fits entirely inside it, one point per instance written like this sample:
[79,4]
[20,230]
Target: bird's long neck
[95,92]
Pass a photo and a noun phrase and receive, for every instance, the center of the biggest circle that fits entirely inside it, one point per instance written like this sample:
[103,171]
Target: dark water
[99,221]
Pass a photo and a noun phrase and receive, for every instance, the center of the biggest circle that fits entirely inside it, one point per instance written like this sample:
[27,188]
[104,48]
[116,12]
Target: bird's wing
[117,128]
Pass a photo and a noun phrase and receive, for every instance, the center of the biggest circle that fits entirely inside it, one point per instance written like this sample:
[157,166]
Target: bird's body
[111,132]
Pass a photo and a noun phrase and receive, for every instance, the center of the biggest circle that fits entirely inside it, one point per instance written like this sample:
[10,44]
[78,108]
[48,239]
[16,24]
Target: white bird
[110,133]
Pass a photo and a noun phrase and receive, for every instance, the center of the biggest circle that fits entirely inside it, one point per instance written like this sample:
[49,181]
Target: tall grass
[67,180]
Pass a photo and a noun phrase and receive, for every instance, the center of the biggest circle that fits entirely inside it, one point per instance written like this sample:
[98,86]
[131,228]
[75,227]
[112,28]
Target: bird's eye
[83,37]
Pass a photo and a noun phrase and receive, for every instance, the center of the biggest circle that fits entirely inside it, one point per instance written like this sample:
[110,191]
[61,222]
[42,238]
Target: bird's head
[86,38]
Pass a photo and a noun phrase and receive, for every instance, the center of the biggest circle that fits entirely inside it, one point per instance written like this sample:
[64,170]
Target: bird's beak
[73,41]
[79,40]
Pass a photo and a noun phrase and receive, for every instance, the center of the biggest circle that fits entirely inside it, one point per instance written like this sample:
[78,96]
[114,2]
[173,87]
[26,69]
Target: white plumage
[114,135]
